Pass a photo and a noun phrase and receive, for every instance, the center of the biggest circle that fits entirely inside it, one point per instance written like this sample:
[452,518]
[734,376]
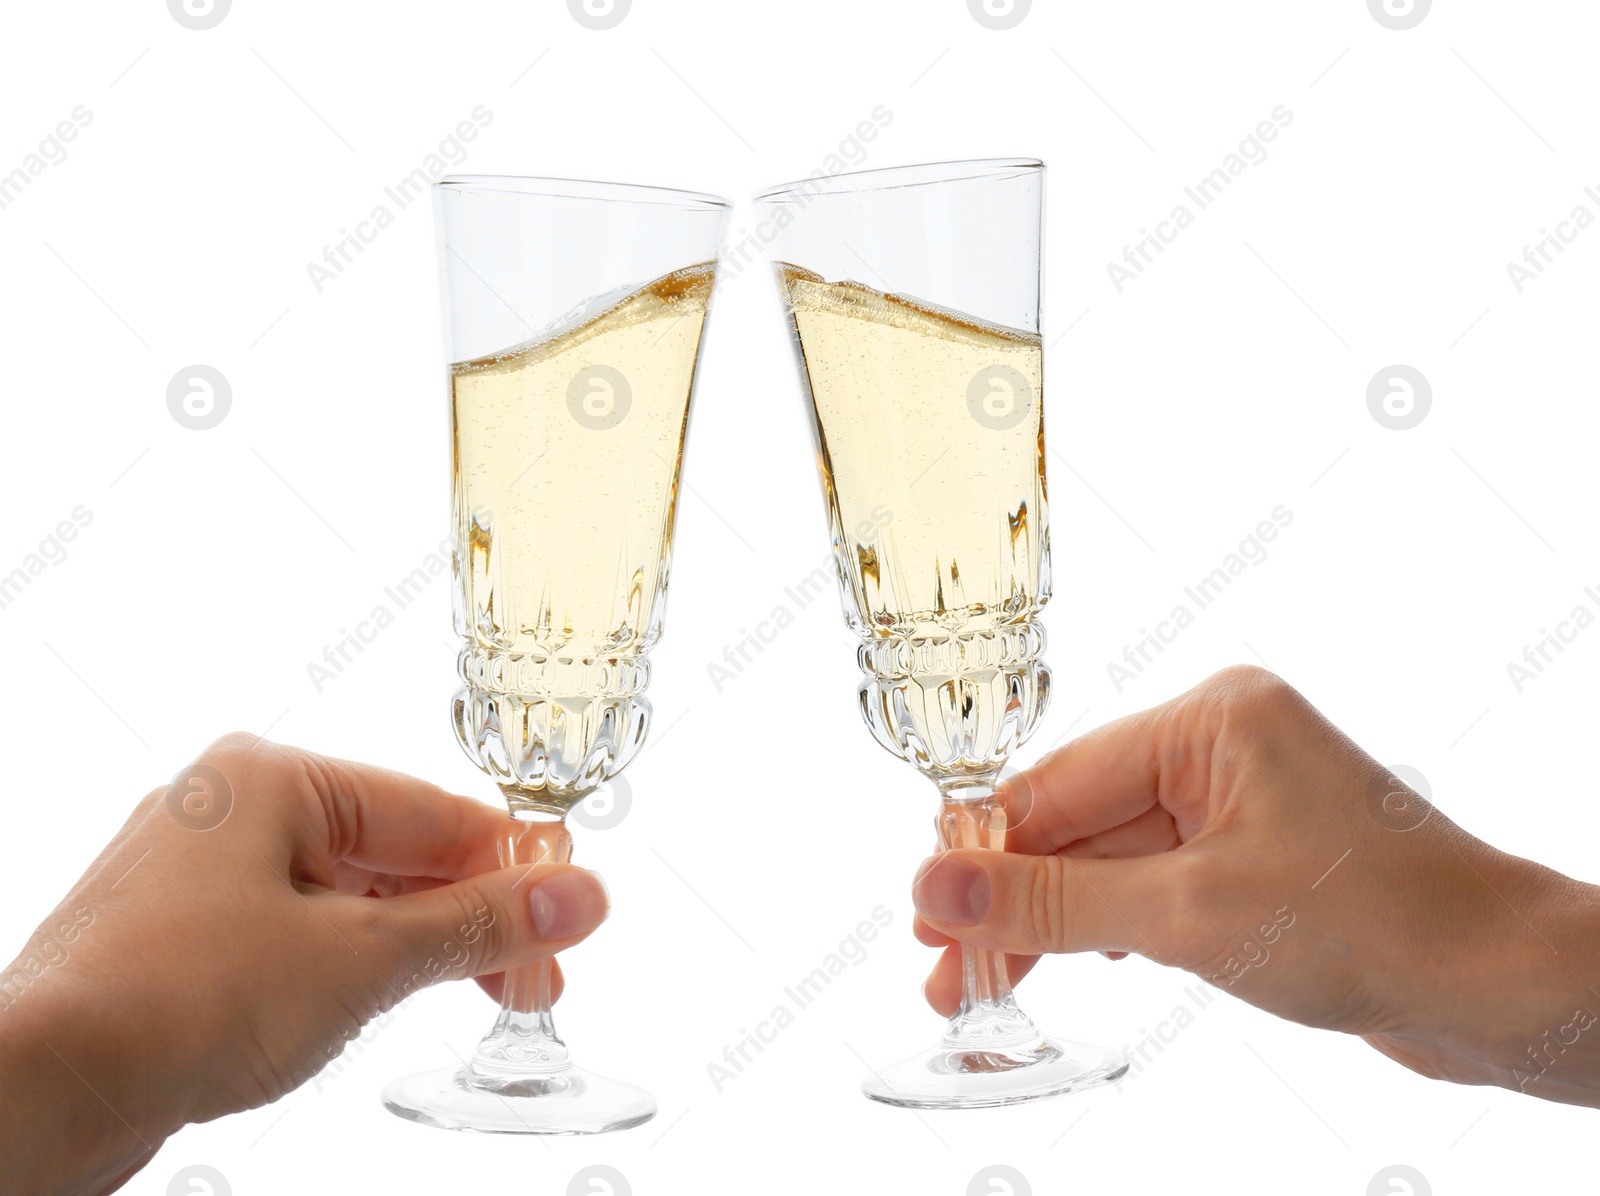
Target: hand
[1236,834]
[201,967]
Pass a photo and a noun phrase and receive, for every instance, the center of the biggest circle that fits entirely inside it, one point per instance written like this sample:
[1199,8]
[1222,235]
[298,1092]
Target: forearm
[1520,1008]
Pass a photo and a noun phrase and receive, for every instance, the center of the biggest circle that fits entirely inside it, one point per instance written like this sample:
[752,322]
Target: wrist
[1524,1010]
[69,1125]
[1553,1050]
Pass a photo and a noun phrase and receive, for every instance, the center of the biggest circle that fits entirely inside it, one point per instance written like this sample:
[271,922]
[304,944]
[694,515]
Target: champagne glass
[913,299]
[573,318]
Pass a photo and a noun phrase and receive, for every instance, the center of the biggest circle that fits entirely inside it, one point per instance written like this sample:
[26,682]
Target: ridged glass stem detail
[524,1039]
[988,1016]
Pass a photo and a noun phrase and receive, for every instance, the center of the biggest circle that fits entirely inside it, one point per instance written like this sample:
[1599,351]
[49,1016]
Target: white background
[1229,378]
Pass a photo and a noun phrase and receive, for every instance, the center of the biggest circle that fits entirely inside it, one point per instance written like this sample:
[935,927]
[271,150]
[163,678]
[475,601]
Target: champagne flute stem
[524,1037]
[976,818]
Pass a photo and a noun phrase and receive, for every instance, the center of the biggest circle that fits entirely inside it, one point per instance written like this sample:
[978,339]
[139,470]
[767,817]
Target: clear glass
[913,300]
[574,313]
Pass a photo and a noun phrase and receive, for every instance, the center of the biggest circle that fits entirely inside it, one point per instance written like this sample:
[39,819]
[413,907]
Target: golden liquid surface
[930,436]
[567,456]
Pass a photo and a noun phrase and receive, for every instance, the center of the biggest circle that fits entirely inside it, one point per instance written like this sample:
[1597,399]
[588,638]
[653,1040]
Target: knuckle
[234,743]
[1187,910]
[1250,691]
[483,935]
[1243,682]
[1050,896]
[239,754]
[391,973]
[1188,889]
[369,921]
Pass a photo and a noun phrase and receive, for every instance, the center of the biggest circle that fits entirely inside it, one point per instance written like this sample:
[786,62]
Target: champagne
[567,456]
[930,437]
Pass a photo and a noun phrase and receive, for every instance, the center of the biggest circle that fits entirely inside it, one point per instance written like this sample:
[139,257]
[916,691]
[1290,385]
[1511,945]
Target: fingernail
[952,890]
[571,902]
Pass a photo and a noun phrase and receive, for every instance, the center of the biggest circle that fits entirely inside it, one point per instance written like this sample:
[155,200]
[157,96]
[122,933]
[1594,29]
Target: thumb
[1037,904]
[479,926]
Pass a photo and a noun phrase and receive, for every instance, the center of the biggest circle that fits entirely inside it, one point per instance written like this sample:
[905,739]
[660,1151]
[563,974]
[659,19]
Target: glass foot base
[573,1101]
[966,1077]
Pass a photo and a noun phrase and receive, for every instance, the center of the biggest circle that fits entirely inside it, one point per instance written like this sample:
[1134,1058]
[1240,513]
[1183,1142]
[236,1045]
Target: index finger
[387,821]
[1100,780]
